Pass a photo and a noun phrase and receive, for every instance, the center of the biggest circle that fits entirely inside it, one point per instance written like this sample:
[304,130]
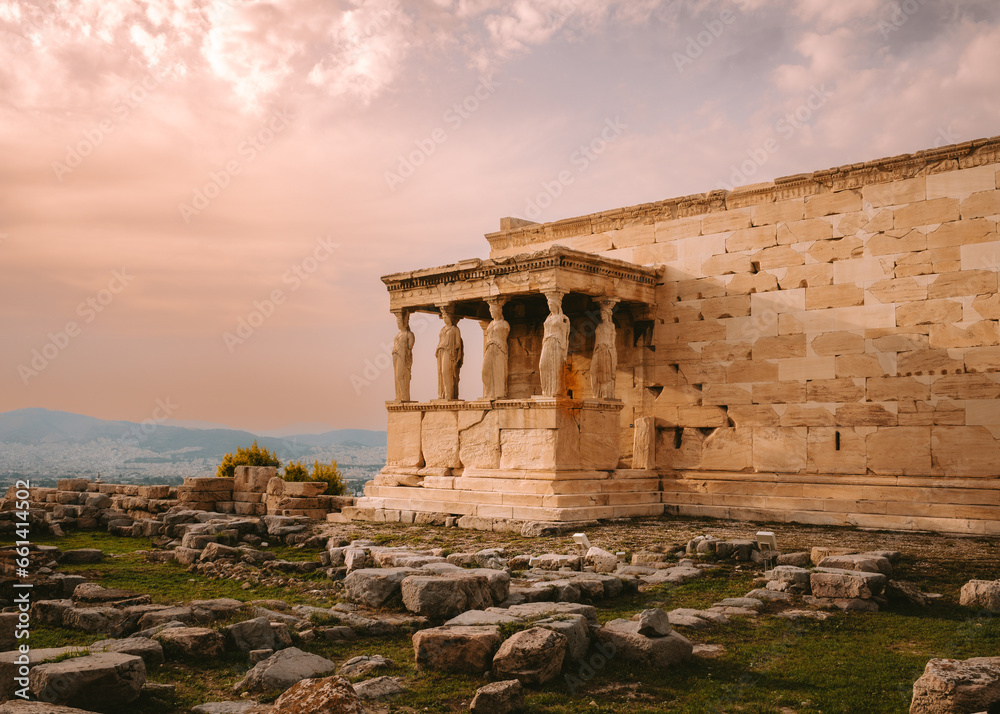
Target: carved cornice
[483,405]
[969,154]
[553,258]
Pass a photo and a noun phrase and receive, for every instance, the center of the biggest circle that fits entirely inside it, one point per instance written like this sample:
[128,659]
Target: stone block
[983,203]
[899,450]
[782,450]
[439,440]
[252,479]
[479,439]
[925,213]
[961,183]
[895,193]
[751,239]
[456,649]
[404,440]
[929,312]
[825,204]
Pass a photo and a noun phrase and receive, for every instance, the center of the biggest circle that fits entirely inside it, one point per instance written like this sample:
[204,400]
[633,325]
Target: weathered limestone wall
[825,347]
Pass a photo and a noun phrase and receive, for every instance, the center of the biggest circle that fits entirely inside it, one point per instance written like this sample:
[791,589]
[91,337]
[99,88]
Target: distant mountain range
[42,442]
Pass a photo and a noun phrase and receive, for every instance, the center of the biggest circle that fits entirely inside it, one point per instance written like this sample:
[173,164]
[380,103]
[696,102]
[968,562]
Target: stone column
[402,355]
[450,353]
[555,348]
[604,364]
[495,352]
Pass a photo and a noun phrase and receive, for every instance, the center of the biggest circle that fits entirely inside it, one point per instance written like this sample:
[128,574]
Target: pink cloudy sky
[211,153]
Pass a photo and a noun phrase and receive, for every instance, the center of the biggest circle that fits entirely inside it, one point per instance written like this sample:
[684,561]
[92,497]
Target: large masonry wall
[825,347]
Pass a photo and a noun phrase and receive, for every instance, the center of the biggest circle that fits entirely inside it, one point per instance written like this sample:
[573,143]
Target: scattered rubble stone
[107,679]
[330,694]
[504,697]
[456,649]
[532,656]
[380,688]
[950,686]
[364,665]
[283,669]
[983,594]
[190,643]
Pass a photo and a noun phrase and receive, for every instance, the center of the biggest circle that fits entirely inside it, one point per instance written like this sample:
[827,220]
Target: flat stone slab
[534,610]
[103,680]
[283,669]
[482,617]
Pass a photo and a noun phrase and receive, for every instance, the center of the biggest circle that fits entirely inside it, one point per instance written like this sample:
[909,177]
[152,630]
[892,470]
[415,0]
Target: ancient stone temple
[823,349]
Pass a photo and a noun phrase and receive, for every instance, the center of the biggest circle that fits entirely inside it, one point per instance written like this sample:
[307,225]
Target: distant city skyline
[197,199]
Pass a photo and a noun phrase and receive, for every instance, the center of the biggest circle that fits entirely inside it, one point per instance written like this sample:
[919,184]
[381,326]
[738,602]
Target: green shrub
[330,475]
[254,456]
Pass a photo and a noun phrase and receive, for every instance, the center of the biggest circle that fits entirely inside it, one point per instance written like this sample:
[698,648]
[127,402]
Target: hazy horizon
[175,168]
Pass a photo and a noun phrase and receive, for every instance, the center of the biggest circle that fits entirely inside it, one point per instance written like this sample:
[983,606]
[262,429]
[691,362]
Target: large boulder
[183,643]
[835,583]
[441,597]
[283,669]
[373,587]
[532,656]
[982,594]
[97,681]
[951,686]
[504,697]
[456,649]
[624,637]
[309,696]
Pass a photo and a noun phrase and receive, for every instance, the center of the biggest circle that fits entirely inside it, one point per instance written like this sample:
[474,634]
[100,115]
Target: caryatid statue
[449,355]
[555,348]
[402,356]
[604,365]
[495,352]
